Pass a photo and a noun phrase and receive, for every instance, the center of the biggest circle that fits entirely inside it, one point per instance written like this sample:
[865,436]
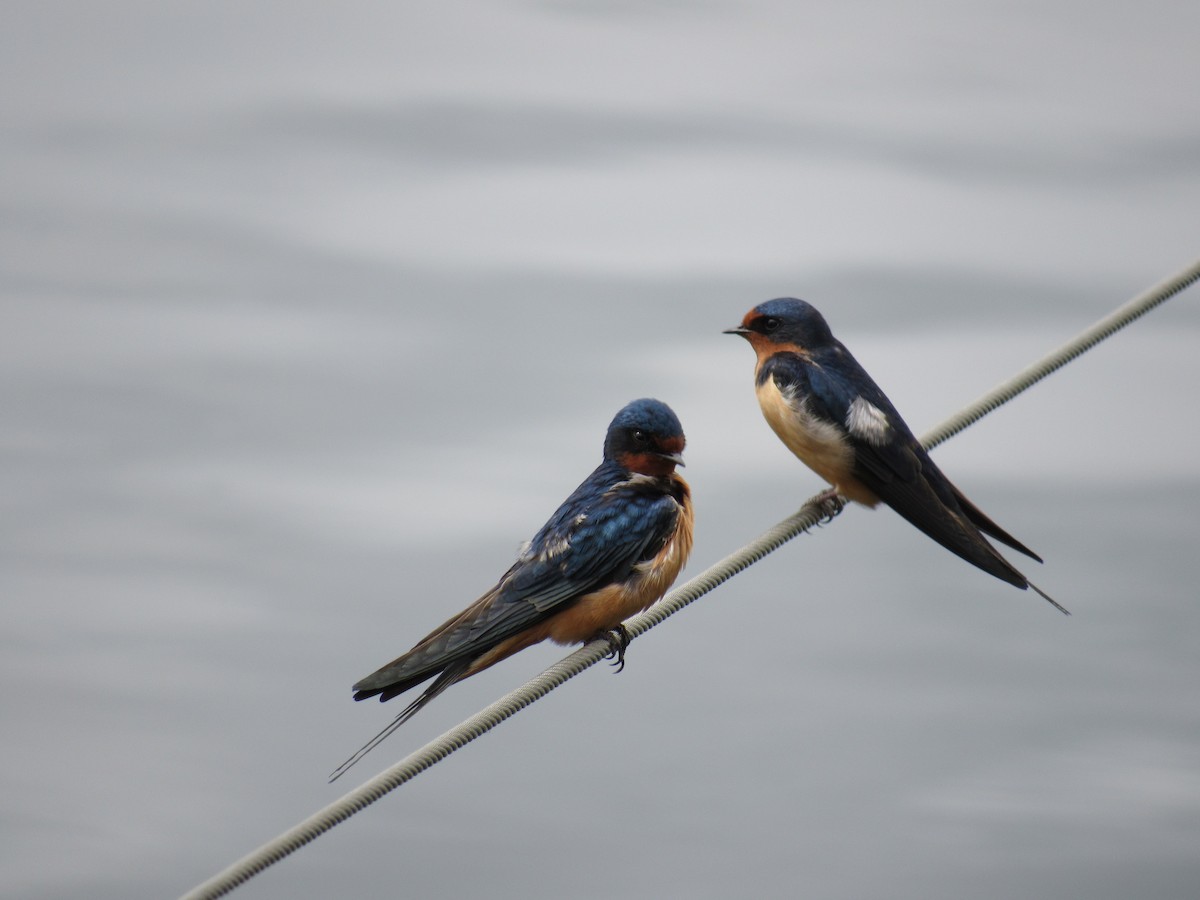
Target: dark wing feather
[988,527]
[608,533]
[904,476]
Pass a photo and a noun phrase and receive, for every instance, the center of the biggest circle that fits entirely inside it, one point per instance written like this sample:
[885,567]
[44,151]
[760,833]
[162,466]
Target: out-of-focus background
[312,313]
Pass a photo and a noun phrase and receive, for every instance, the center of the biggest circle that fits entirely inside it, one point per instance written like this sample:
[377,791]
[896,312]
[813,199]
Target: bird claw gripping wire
[830,504]
[618,640]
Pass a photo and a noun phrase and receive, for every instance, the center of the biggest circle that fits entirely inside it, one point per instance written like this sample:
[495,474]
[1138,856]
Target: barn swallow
[830,413]
[612,549]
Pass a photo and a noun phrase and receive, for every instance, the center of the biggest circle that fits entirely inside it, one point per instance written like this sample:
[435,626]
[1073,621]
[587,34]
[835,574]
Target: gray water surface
[312,313]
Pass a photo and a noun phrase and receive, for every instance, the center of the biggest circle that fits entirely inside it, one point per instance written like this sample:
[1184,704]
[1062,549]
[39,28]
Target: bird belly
[818,444]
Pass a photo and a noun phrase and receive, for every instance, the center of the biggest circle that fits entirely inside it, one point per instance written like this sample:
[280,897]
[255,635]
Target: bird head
[784,323]
[645,437]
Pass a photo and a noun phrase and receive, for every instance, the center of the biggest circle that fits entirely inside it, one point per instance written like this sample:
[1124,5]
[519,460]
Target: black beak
[744,332]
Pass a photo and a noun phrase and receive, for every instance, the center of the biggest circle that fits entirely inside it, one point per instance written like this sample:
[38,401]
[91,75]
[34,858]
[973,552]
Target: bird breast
[819,444]
[607,607]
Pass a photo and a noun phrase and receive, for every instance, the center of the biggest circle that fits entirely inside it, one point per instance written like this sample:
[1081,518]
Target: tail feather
[1037,590]
[449,675]
[981,521]
[390,689]
[991,529]
[961,533]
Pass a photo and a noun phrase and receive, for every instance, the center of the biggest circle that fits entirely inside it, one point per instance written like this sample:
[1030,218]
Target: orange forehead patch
[673,444]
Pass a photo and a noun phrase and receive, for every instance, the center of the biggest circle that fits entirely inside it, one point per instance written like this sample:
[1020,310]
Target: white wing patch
[563,544]
[867,422]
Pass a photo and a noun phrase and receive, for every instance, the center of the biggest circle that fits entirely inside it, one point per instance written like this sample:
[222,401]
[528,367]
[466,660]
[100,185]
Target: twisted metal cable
[815,511]
[1086,340]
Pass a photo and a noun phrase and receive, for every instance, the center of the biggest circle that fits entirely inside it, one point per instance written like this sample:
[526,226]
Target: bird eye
[641,437]
[769,324]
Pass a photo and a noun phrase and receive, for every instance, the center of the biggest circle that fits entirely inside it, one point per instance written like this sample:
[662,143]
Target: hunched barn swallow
[830,413]
[610,551]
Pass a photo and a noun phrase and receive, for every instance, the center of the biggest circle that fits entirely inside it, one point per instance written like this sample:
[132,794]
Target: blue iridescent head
[785,320]
[646,437]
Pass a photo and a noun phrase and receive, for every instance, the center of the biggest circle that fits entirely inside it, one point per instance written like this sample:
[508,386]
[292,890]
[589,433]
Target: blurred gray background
[313,312]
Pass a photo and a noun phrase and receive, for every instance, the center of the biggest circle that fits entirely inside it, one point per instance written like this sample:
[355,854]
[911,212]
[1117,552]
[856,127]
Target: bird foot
[830,503]
[618,640]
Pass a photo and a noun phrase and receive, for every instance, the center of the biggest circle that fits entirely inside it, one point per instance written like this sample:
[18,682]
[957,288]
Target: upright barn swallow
[611,550]
[830,413]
